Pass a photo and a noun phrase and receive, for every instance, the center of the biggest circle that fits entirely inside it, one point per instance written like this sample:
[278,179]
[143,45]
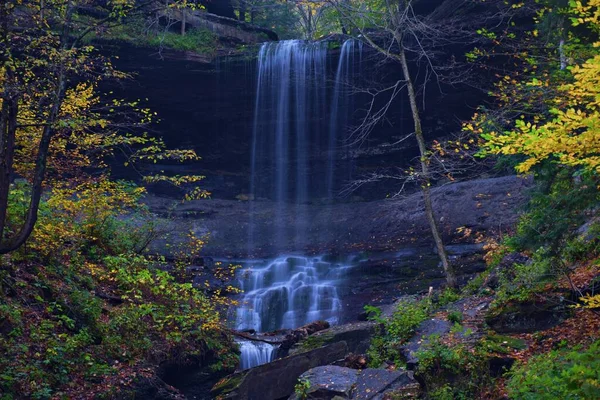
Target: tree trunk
[242,10]
[7,149]
[16,241]
[8,121]
[396,29]
[183,22]
[425,182]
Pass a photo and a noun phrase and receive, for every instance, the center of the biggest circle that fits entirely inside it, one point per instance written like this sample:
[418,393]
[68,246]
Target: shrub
[554,211]
[397,330]
[448,296]
[455,317]
[559,374]
[520,281]
[84,300]
[466,367]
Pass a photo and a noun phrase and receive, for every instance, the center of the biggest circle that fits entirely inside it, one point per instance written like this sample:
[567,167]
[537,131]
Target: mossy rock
[356,335]
[507,342]
[228,384]
[315,341]
[526,317]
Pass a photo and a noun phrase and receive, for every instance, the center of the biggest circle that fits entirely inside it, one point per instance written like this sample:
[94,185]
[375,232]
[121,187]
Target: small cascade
[254,353]
[289,292]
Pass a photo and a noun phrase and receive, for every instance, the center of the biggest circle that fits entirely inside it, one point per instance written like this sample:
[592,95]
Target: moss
[134,32]
[503,344]
[198,41]
[316,341]
[228,384]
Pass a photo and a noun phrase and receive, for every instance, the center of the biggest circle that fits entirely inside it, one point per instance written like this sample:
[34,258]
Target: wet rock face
[208,104]
[332,382]
[480,205]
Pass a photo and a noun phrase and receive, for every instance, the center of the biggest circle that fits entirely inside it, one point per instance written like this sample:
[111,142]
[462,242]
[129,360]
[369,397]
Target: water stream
[300,125]
[255,353]
[289,292]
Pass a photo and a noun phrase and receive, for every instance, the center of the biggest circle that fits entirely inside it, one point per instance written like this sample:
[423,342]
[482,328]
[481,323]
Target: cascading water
[298,126]
[255,353]
[289,292]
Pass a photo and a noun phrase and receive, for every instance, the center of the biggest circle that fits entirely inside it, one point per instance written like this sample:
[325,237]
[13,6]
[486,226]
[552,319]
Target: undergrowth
[83,311]
[395,331]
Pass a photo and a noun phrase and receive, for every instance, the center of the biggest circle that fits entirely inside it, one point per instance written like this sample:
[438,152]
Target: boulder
[525,317]
[325,383]
[303,332]
[588,232]
[277,379]
[332,382]
[357,336]
[375,381]
[427,328]
[493,279]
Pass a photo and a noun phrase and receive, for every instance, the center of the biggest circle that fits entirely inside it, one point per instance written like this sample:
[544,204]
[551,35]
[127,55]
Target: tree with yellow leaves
[571,136]
[52,118]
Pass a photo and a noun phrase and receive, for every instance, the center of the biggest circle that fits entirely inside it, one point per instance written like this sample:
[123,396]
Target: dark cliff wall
[224,8]
[209,106]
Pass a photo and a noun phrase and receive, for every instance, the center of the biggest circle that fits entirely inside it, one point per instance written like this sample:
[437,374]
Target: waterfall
[290,105]
[253,353]
[289,292]
[340,106]
[299,124]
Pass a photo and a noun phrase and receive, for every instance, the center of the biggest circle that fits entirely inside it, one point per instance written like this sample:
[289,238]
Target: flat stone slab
[330,381]
[373,381]
[333,382]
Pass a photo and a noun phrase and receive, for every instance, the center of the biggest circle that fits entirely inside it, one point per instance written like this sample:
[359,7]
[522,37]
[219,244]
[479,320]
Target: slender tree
[395,30]
[47,100]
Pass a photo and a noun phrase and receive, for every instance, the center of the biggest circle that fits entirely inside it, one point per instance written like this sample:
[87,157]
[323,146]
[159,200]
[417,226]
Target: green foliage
[445,392]
[408,315]
[583,248]
[85,305]
[448,296]
[501,344]
[519,282]
[301,389]
[560,374]
[198,41]
[554,211]
[455,317]
[474,285]
[373,313]
[135,32]
[466,367]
